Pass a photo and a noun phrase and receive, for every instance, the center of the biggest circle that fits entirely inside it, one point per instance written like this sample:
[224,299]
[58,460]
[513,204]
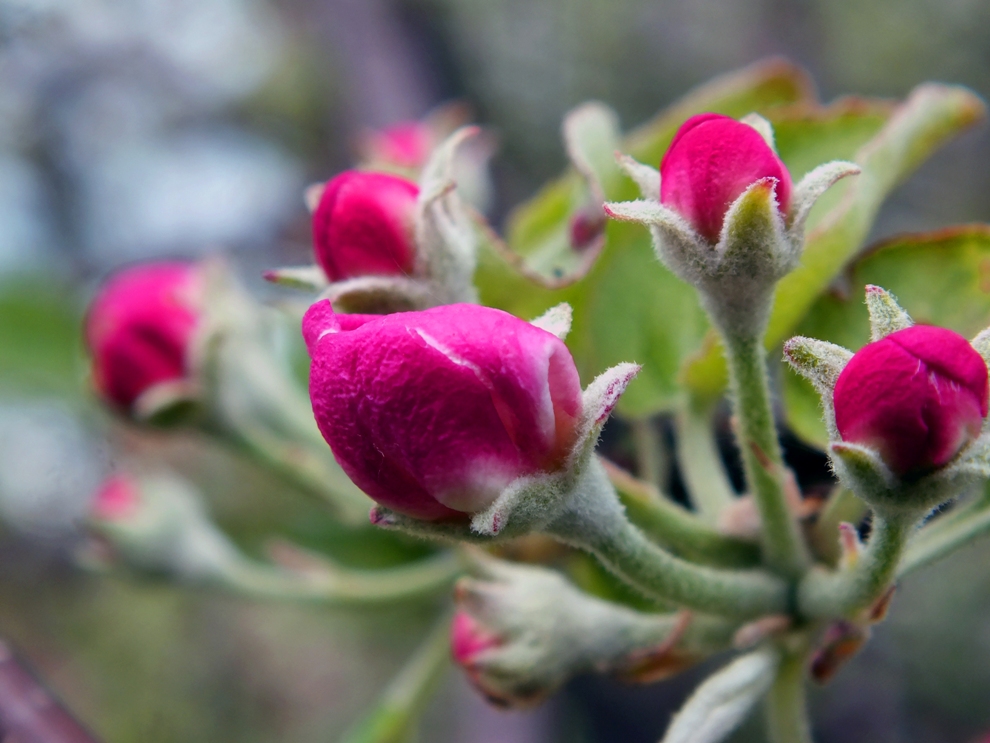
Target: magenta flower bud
[917,396]
[407,144]
[434,413]
[364,225]
[140,327]
[116,499]
[711,161]
[468,638]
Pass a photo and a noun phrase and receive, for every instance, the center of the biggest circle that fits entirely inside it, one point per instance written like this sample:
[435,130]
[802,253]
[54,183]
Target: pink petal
[363,225]
[711,161]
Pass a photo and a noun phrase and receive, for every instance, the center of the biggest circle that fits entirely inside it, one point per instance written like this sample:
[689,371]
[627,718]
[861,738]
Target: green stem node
[594,521]
[844,593]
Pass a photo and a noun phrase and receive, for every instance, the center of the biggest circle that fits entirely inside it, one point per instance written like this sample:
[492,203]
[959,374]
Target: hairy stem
[825,594]
[674,527]
[333,585]
[784,548]
[594,521]
[787,708]
[701,464]
[843,505]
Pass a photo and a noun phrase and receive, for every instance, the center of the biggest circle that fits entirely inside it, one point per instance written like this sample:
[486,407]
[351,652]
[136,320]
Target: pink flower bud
[116,499]
[433,413]
[468,638]
[917,396]
[140,326]
[406,144]
[364,225]
[711,161]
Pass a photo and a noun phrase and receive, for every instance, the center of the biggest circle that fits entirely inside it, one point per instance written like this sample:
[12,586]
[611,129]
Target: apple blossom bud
[364,225]
[117,498]
[405,145]
[917,396]
[156,523]
[468,638]
[711,161]
[434,413]
[140,327]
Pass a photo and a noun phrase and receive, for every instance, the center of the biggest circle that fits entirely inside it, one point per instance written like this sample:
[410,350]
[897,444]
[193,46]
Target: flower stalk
[787,705]
[700,462]
[845,593]
[783,545]
[676,528]
[594,521]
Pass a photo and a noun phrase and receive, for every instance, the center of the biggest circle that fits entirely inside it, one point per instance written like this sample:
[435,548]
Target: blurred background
[132,129]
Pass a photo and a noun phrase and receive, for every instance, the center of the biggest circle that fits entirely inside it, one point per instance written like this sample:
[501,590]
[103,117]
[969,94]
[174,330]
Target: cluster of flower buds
[464,422]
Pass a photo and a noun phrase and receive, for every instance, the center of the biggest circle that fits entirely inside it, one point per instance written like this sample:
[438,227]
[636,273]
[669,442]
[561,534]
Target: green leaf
[40,333]
[930,116]
[940,278]
[628,307]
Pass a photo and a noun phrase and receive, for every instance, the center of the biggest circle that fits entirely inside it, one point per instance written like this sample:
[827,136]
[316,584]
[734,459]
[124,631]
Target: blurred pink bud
[407,144]
[586,227]
[364,225]
[711,161]
[917,396]
[468,638]
[140,326]
[116,499]
[434,413]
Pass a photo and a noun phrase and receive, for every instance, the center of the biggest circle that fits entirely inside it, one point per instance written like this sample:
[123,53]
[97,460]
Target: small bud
[434,413]
[364,224]
[728,220]
[140,329]
[917,396]
[521,631]
[711,161]
[405,145]
[157,524]
[587,228]
[116,499]
[850,546]
[468,639]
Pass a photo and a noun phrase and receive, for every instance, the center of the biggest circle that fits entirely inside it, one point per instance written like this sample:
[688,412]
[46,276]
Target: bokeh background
[132,129]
